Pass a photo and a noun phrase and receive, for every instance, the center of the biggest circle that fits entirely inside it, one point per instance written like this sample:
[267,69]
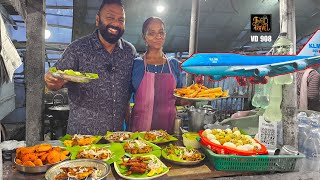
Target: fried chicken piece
[53,157]
[38,162]
[28,163]
[43,147]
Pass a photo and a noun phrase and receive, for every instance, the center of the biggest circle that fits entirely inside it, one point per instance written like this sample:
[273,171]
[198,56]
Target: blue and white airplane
[219,66]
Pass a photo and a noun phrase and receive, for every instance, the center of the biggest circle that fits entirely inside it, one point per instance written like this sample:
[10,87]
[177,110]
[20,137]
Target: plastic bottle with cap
[303,129]
[312,148]
[273,111]
[261,94]
[283,46]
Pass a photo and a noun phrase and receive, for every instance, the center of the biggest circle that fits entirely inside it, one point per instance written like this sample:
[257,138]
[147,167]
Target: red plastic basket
[219,149]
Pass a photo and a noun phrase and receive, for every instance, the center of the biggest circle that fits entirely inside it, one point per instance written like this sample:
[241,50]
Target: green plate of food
[73,76]
[108,153]
[157,136]
[182,155]
[140,148]
[79,140]
[141,167]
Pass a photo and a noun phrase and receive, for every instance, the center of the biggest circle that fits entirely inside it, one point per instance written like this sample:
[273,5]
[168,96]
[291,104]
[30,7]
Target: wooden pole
[289,101]
[35,70]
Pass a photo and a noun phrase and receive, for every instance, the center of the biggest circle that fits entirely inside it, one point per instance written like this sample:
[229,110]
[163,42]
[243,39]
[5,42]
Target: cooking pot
[198,117]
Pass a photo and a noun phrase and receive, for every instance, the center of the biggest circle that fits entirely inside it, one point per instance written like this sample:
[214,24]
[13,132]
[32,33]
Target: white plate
[142,178]
[201,99]
[77,79]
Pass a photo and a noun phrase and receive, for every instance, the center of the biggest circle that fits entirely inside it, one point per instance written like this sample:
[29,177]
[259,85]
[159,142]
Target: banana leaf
[116,149]
[123,170]
[156,150]
[69,137]
[159,140]
[71,72]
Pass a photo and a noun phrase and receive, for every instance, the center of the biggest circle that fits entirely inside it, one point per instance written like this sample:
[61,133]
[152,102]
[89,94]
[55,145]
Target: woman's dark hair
[147,22]
[107,2]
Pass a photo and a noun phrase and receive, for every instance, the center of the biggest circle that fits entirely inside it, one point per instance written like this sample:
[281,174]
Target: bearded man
[100,105]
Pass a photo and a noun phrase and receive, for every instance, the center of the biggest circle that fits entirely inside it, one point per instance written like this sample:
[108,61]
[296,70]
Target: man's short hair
[107,2]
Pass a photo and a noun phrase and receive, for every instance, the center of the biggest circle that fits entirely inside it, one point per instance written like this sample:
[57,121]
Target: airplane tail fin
[312,47]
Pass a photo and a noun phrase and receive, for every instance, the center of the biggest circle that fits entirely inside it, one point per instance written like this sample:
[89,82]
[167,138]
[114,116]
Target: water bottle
[303,129]
[312,148]
[283,46]
[273,111]
[261,95]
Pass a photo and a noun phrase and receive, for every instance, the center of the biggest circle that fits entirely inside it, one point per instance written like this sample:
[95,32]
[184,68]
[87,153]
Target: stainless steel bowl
[104,167]
[36,169]
[32,169]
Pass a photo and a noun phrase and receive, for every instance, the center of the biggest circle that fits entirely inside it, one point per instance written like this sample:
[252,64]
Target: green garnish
[71,72]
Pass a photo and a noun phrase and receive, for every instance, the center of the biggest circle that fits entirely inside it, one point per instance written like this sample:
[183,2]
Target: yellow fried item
[39,154]
[28,157]
[86,141]
[200,91]
[53,157]
[67,142]
[225,93]
[57,149]
[28,163]
[43,147]
[18,161]
[65,152]
[38,162]
[62,157]
[44,157]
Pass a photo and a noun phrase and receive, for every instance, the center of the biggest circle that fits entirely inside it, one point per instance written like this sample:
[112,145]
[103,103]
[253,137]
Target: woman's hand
[53,83]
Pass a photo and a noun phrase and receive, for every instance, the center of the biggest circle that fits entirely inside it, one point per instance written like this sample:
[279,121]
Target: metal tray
[55,170]
[184,163]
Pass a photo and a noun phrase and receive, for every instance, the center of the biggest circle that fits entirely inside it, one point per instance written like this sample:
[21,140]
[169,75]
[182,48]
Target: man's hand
[53,83]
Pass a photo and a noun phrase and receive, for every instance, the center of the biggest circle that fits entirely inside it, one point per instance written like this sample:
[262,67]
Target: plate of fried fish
[141,167]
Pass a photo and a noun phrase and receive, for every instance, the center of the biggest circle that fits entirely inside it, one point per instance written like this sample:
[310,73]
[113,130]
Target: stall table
[201,171]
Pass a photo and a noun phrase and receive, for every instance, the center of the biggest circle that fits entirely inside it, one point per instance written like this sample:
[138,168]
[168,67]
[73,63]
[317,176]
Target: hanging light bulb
[160,8]
[47,34]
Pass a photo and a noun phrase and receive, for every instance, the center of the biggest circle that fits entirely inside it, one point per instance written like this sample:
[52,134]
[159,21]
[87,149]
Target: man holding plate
[100,105]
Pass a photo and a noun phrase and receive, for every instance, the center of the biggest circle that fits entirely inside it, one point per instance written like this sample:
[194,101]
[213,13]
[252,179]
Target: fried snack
[40,155]
[95,153]
[28,163]
[200,91]
[43,147]
[81,140]
[53,157]
[38,162]
[79,172]
[136,165]
[156,134]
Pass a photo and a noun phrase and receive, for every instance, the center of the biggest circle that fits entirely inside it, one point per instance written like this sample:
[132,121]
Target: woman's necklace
[163,56]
